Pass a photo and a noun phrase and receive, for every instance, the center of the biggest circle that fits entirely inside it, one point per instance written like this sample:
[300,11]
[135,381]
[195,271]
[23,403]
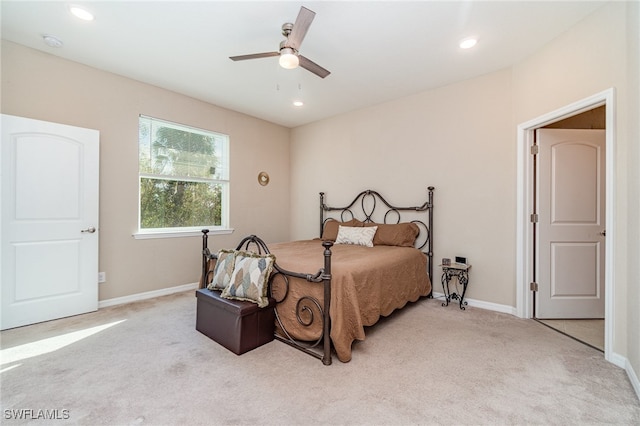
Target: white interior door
[49,221]
[571,210]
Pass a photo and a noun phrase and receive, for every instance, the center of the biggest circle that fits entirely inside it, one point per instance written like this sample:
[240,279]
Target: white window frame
[224,228]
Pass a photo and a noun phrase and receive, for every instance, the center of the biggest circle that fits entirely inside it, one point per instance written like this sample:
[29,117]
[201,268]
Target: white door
[49,221]
[571,195]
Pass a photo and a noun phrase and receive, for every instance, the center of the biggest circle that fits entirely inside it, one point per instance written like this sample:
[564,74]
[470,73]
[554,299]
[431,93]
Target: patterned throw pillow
[356,236]
[250,278]
[223,270]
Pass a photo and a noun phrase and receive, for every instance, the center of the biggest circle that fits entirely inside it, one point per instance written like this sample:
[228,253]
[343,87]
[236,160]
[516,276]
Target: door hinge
[534,217]
[533,286]
[534,149]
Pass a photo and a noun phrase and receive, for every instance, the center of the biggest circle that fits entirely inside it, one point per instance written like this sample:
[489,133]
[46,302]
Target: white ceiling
[376,51]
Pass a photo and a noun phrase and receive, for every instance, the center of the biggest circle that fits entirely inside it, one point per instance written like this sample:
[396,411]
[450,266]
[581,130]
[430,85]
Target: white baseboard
[622,362]
[617,360]
[632,377]
[146,295]
[490,306]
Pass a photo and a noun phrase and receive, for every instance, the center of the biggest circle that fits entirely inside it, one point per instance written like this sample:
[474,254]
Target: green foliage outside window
[183,176]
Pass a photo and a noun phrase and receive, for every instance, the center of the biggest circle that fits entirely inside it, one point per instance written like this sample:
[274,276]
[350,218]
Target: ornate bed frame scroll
[368,203]
[307,305]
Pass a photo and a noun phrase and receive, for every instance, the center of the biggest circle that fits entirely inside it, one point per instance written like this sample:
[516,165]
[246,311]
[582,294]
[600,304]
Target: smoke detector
[52,41]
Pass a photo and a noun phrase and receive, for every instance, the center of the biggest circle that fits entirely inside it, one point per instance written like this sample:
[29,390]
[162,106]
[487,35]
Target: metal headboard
[366,203]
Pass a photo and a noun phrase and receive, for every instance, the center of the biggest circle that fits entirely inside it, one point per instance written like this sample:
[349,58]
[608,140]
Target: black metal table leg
[446,276]
[461,272]
[463,277]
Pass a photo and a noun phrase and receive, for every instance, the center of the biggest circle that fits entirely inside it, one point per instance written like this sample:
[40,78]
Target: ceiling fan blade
[300,28]
[309,65]
[254,56]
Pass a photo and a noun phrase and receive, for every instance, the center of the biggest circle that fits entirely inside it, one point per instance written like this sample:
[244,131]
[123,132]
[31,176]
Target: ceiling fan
[289,47]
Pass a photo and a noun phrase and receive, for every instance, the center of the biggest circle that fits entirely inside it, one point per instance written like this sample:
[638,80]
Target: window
[184,178]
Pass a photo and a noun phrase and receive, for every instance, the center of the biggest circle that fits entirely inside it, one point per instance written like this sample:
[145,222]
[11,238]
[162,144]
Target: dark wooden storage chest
[235,324]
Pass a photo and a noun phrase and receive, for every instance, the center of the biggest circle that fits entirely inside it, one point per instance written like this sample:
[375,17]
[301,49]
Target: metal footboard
[305,306]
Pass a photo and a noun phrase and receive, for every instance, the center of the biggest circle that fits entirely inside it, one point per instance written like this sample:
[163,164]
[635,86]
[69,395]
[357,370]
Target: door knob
[90,230]
[603,233]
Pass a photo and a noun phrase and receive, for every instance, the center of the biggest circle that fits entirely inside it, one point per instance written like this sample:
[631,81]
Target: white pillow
[359,236]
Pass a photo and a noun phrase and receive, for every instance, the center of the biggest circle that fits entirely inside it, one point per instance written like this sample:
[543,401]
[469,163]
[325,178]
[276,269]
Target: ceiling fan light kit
[288,58]
[288,52]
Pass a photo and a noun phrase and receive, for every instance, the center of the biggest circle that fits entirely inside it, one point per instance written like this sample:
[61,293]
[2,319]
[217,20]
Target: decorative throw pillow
[223,270]
[250,278]
[356,235]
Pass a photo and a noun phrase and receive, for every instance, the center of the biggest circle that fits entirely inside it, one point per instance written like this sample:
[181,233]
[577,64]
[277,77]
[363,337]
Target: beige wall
[596,55]
[462,139]
[633,168]
[44,87]
[458,138]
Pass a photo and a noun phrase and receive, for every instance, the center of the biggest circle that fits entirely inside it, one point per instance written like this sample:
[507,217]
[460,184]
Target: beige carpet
[144,363]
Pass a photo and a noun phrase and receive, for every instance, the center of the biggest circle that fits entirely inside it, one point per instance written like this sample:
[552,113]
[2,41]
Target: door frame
[524,228]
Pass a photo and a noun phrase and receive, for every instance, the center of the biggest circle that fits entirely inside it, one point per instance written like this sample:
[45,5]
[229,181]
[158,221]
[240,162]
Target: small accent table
[461,272]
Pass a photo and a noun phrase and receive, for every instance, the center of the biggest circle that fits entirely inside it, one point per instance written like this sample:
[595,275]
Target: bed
[370,259]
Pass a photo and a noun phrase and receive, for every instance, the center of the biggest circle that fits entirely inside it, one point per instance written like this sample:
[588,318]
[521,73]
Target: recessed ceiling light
[298,103]
[468,43]
[81,13]
[52,41]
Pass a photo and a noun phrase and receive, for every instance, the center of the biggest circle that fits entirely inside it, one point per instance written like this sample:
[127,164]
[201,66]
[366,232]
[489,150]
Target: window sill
[142,235]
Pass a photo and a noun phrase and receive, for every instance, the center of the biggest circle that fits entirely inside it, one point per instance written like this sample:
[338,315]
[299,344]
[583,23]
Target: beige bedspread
[367,282]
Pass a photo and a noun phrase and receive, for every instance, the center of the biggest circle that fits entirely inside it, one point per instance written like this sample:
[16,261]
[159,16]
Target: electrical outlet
[102,277]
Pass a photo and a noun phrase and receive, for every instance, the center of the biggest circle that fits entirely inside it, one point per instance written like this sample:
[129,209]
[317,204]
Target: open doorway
[570,243]
[589,110]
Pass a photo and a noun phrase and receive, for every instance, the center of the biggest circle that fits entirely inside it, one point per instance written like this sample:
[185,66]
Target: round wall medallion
[263,178]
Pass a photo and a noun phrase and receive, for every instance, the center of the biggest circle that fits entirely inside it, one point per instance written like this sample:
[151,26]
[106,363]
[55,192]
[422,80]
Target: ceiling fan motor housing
[283,45]
[286,29]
